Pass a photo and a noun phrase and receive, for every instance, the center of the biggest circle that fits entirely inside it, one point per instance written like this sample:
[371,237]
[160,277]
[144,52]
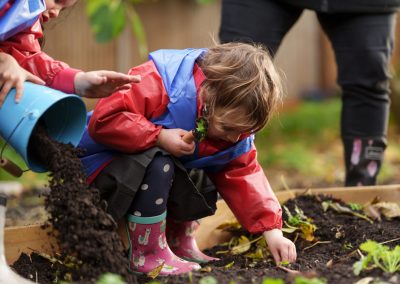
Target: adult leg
[261,21]
[147,222]
[363,45]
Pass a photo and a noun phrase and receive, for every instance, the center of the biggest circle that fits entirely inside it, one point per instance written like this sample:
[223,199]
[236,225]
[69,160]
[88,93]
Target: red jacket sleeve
[25,48]
[245,188]
[121,121]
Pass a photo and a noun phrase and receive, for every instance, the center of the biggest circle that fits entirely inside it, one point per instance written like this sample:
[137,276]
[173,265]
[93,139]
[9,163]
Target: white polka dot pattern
[144,186]
[166,168]
[159,201]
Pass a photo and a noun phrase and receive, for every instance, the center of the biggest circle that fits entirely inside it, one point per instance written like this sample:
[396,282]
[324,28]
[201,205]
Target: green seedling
[304,280]
[347,245]
[197,134]
[300,222]
[273,281]
[284,263]
[355,206]
[378,256]
[208,280]
[336,206]
[200,131]
[110,278]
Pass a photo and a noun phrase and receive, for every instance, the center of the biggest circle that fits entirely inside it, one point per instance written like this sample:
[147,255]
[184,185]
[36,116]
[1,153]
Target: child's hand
[282,249]
[171,141]
[13,76]
[100,84]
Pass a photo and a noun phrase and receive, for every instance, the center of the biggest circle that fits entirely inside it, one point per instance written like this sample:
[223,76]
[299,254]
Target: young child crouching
[137,158]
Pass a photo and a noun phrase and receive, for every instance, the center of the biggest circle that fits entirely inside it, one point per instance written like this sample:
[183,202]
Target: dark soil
[311,262]
[341,230]
[82,227]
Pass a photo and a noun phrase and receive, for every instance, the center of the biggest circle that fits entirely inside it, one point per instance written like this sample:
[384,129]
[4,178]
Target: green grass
[29,178]
[293,138]
[303,144]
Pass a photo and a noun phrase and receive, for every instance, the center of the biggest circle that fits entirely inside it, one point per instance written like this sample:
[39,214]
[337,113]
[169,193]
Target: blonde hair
[240,79]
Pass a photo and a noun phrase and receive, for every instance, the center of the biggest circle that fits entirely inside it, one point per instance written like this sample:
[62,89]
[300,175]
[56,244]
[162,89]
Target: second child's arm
[26,50]
[244,187]
[13,76]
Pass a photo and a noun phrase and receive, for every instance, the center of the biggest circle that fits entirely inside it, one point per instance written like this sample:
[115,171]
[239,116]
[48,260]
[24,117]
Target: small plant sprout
[347,245]
[110,278]
[273,281]
[336,206]
[208,280]
[355,206]
[304,280]
[299,222]
[378,256]
[229,265]
[197,134]
[284,263]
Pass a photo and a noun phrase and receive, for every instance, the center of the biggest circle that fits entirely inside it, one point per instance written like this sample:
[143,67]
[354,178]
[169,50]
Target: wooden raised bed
[34,238]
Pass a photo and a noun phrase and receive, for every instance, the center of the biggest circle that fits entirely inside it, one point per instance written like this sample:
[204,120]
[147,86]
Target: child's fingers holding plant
[171,141]
[282,249]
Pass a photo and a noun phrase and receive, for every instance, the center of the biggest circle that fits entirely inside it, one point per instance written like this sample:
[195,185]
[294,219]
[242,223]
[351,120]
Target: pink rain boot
[181,240]
[149,249]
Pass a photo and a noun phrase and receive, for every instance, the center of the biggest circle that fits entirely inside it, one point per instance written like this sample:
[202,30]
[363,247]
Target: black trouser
[362,43]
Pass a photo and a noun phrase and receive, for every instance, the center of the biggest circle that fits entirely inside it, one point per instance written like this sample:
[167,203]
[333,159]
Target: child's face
[227,130]
[53,8]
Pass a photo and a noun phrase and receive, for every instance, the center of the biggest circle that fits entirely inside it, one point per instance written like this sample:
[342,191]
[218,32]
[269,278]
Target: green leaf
[361,265]
[284,263]
[289,230]
[370,246]
[273,281]
[204,1]
[110,278]
[229,265]
[138,30]
[156,271]
[355,206]
[303,280]
[107,18]
[243,246]
[325,205]
[208,280]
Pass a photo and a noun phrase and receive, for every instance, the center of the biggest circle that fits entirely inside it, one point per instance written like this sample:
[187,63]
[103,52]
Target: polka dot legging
[151,198]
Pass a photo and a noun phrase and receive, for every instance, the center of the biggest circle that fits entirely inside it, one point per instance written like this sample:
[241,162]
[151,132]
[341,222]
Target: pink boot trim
[149,248]
[181,240]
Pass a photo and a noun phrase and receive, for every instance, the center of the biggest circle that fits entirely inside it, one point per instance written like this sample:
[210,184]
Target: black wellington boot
[363,159]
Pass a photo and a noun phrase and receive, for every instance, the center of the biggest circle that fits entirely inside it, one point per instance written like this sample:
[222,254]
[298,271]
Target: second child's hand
[100,84]
[12,75]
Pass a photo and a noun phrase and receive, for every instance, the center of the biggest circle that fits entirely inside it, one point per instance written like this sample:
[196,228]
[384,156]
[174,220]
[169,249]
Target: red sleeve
[121,121]
[25,48]
[245,188]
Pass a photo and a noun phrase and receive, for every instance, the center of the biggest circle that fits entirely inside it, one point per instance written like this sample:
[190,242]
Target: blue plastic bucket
[63,115]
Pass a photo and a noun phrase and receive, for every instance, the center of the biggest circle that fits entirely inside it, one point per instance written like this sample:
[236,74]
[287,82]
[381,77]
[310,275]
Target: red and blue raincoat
[21,40]
[129,121]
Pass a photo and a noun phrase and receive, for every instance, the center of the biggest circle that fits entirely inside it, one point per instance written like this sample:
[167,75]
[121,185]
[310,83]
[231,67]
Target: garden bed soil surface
[343,232]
